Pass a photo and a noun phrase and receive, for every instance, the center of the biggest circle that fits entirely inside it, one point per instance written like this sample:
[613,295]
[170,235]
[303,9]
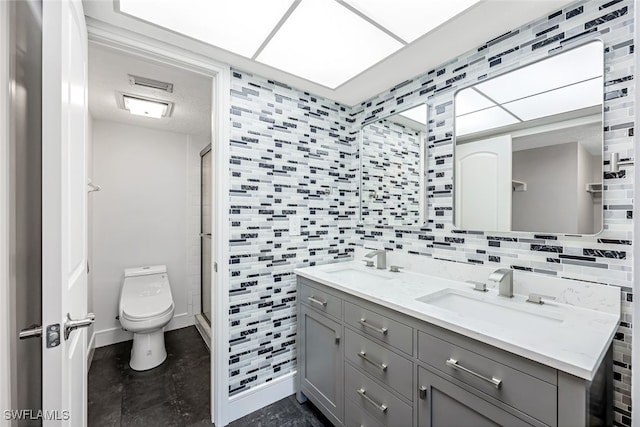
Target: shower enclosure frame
[203,238]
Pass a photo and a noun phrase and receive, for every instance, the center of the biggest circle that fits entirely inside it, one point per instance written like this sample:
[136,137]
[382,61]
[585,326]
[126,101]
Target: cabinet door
[321,365]
[446,404]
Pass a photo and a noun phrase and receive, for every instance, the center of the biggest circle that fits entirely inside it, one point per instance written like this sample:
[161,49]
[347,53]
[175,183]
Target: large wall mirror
[529,147]
[392,165]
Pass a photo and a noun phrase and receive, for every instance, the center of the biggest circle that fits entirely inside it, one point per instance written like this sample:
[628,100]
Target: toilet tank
[145,271]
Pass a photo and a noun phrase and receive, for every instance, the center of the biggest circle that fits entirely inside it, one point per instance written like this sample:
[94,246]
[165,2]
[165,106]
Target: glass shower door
[205,231]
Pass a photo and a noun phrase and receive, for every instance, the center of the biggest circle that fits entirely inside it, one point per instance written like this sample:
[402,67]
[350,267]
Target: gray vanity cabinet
[320,366]
[363,364]
[442,403]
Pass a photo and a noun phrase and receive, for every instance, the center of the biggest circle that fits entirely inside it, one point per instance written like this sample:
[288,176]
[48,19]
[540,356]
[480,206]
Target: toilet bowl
[146,307]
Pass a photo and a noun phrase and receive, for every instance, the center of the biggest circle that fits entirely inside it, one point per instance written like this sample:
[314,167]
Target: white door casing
[483,184]
[64,209]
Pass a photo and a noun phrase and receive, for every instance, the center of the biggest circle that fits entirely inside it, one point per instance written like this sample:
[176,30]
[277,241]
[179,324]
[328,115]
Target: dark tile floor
[175,393]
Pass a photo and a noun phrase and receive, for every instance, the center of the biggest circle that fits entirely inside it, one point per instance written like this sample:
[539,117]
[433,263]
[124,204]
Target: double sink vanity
[400,348]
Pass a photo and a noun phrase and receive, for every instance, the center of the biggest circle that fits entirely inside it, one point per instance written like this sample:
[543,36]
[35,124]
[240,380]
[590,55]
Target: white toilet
[146,307]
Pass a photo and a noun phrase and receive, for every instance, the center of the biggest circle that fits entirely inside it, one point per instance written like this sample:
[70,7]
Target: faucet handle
[478,286]
[535,298]
[369,263]
[395,268]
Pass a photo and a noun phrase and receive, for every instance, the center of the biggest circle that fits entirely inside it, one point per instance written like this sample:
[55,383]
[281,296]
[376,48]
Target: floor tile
[175,393]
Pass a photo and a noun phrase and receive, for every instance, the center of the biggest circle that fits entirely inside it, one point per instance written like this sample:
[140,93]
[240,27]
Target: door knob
[72,324]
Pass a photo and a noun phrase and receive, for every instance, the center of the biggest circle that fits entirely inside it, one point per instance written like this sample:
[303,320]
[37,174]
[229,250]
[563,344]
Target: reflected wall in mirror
[392,179]
[528,147]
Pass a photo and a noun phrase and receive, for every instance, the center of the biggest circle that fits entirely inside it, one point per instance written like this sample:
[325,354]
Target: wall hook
[93,187]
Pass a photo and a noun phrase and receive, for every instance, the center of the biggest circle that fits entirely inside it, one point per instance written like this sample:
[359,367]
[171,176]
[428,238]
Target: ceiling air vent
[150,83]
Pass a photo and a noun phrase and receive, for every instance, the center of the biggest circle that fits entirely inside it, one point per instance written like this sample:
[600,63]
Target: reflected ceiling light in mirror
[239,26]
[575,65]
[470,100]
[326,43]
[410,19]
[419,114]
[570,98]
[482,120]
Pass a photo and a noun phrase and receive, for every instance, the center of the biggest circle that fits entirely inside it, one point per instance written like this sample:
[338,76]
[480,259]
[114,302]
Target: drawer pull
[497,383]
[380,366]
[382,331]
[317,301]
[363,393]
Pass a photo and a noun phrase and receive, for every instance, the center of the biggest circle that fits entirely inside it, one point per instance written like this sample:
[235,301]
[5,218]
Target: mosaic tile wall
[604,258]
[391,173]
[290,155]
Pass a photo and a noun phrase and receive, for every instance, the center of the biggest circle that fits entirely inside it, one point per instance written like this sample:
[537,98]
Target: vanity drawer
[375,400]
[378,326]
[320,300]
[356,416]
[379,362]
[524,392]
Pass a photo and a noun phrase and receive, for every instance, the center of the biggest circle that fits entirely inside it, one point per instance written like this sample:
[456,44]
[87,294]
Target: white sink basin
[358,275]
[492,308]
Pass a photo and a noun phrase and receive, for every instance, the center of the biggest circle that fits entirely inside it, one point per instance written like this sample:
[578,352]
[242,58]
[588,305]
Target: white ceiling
[108,76]
[311,37]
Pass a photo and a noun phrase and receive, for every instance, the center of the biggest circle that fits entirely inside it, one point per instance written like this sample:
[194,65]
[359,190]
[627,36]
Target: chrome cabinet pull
[363,393]
[314,300]
[364,323]
[497,383]
[381,366]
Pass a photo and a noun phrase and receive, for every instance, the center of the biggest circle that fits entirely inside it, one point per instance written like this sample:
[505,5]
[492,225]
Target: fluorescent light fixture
[146,107]
[239,26]
[326,43]
[410,19]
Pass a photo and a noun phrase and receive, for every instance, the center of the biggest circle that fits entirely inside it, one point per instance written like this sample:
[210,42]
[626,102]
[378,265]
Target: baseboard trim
[260,396]
[115,335]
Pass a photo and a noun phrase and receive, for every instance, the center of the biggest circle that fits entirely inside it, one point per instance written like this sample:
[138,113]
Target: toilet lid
[145,297]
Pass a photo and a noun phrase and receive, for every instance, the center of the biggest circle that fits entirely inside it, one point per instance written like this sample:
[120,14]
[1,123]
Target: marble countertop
[569,338]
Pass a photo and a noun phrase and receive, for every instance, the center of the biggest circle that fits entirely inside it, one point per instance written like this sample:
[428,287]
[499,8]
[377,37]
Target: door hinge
[215,267]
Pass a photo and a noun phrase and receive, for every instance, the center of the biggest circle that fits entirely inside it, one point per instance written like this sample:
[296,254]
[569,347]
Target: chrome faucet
[504,278]
[381,261]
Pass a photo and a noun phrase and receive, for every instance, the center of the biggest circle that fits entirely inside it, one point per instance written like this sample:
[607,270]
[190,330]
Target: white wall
[143,215]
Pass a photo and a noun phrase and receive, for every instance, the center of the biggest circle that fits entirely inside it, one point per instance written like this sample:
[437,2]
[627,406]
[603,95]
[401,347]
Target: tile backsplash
[296,154]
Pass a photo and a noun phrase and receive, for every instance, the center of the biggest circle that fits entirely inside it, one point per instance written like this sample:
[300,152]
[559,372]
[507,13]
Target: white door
[483,184]
[64,210]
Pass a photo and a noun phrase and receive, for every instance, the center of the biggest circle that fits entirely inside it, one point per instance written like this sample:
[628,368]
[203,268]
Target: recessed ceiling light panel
[410,19]
[239,26]
[326,43]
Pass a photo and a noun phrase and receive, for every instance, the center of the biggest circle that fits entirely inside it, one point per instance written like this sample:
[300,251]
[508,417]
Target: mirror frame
[454,138]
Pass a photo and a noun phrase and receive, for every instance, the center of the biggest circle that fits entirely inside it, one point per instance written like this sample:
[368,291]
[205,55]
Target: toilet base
[148,350]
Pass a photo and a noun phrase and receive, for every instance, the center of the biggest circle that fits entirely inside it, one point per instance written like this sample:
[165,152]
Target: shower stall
[203,320]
